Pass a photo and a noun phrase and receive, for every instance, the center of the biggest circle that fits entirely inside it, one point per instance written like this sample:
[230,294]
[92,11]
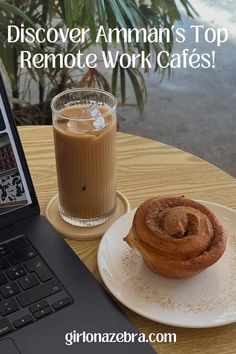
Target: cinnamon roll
[176,236]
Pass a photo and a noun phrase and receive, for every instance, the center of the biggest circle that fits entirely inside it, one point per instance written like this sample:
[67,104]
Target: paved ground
[195,110]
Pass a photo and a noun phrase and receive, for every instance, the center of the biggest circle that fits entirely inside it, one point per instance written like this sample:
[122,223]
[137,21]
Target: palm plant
[87,14]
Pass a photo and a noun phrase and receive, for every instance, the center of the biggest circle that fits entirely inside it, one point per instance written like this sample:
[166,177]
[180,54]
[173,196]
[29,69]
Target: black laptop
[47,295]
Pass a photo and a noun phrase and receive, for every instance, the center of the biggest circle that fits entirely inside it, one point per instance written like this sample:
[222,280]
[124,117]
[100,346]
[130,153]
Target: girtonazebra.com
[122,337]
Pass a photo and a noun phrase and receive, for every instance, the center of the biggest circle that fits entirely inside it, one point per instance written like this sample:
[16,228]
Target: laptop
[47,295]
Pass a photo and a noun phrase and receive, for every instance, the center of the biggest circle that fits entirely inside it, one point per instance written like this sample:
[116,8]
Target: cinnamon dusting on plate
[132,259]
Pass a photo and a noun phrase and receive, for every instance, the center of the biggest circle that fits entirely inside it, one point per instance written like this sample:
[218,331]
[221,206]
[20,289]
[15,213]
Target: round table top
[145,168]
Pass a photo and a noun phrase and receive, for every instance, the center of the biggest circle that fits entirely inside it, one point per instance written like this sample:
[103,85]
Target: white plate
[205,300]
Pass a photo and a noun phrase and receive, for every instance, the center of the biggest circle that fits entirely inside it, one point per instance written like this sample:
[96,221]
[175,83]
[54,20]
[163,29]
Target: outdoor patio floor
[194,110]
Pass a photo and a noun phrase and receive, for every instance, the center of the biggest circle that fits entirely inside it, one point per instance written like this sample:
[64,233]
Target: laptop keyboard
[29,290]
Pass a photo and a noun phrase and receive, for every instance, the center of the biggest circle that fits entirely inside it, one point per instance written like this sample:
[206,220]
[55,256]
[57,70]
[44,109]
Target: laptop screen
[14,192]
[17,195]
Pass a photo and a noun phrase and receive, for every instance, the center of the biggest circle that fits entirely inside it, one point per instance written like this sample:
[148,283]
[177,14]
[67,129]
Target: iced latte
[84,127]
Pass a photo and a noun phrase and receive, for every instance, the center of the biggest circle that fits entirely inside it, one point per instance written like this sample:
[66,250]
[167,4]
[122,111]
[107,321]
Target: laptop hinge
[7,223]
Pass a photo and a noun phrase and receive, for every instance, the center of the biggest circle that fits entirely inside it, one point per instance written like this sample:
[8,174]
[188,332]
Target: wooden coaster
[83,233]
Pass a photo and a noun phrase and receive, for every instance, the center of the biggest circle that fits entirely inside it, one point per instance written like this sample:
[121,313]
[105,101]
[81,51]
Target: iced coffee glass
[84,125]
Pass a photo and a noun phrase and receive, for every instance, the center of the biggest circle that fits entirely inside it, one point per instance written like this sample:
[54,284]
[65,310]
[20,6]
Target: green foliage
[80,13]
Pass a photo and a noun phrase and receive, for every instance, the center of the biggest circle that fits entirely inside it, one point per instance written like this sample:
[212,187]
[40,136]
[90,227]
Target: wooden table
[145,168]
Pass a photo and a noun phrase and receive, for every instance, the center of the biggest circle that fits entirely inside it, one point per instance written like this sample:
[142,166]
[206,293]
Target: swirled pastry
[176,236]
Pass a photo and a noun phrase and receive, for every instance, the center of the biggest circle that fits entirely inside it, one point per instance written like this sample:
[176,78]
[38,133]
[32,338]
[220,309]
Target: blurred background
[191,109]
